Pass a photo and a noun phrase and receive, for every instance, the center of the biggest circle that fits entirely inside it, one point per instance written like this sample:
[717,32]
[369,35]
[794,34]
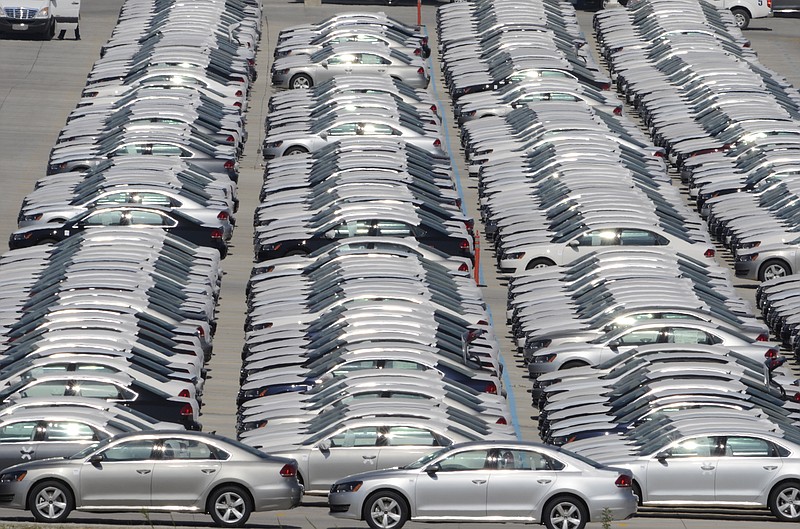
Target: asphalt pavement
[40,83]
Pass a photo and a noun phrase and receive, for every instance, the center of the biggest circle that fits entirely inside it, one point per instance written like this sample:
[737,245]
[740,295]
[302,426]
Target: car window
[96,389]
[525,460]
[113,198]
[134,450]
[343,58]
[694,447]
[104,218]
[51,388]
[686,335]
[376,129]
[393,228]
[69,431]
[639,337]
[370,58]
[190,449]
[355,437]
[146,218]
[598,238]
[749,447]
[345,129]
[637,238]
[409,436]
[467,460]
[18,431]
[353,229]
[151,199]
[165,149]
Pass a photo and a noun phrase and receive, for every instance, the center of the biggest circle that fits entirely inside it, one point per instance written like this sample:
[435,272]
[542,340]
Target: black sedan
[136,217]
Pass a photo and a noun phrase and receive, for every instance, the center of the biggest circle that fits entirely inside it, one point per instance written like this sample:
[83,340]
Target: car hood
[379,475]
[50,463]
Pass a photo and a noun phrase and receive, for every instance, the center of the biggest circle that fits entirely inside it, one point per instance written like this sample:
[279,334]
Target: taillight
[710,252]
[288,471]
[424,41]
[659,154]
[434,109]
[223,215]
[238,104]
[216,234]
[470,224]
[771,353]
[238,93]
[501,420]
[491,388]
[463,268]
[464,245]
[187,410]
[417,51]
[230,139]
[605,86]
[184,393]
[421,70]
[230,164]
[763,338]
[618,111]
[201,333]
[437,143]
[796,397]
[624,480]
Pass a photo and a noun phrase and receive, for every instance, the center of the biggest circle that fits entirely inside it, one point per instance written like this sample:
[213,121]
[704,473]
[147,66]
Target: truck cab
[41,18]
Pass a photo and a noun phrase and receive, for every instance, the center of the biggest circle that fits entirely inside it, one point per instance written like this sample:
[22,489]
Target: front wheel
[541,262]
[773,268]
[301,80]
[51,502]
[741,17]
[291,151]
[385,510]
[784,502]
[564,512]
[229,507]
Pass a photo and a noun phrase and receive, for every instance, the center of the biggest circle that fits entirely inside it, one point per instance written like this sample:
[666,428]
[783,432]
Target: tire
[741,17]
[773,268]
[301,80]
[47,241]
[296,252]
[783,501]
[573,363]
[637,491]
[51,502]
[229,506]
[564,512]
[385,510]
[291,151]
[541,262]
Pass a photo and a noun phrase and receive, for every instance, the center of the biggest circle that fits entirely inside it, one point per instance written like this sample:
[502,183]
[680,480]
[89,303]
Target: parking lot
[40,82]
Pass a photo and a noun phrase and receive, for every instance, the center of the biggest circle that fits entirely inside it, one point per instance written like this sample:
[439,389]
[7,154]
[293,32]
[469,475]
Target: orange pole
[477,267]
[419,12]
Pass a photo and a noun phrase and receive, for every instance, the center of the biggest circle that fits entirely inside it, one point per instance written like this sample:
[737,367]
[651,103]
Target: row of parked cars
[112,282]
[642,358]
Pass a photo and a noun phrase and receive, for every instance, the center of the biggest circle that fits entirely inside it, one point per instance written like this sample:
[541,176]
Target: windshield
[424,460]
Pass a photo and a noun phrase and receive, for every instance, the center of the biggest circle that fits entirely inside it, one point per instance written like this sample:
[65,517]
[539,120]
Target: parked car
[487,481]
[155,471]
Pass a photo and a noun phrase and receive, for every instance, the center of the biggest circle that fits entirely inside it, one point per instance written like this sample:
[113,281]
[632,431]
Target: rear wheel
[51,502]
[47,241]
[564,512]
[540,262]
[574,363]
[385,510]
[291,151]
[741,17]
[229,507]
[784,502]
[637,491]
[773,268]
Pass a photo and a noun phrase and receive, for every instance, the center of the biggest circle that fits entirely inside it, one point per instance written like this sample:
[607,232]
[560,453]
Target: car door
[123,478]
[18,441]
[371,63]
[519,482]
[628,339]
[348,452]
[458,488]
[686,473]
[405,444]
[689,335]
[747,467]
[62,438]
[186,470]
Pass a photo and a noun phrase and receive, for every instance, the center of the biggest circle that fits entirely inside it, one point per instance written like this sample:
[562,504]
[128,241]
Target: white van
[39,17]
[744,10]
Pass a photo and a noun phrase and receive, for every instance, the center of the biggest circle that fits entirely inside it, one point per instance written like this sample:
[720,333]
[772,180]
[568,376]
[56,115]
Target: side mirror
[96,459]
[323,135]
[573,243]
[324,64]
[662,455]
[613,344]
[433,469]
[324,446]
[330,234]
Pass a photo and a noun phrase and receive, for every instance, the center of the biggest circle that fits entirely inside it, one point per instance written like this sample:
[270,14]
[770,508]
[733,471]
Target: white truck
[44,18]
[744,10]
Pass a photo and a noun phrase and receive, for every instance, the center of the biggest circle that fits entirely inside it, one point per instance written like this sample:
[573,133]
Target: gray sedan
[305,71]
[487,481]
[162,471]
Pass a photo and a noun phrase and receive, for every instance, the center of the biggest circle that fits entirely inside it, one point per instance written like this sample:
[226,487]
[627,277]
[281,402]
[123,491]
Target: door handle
[479,481]
[707,467]
[770,467]
[208,470]
[143,471]
[544,481]
[368,457]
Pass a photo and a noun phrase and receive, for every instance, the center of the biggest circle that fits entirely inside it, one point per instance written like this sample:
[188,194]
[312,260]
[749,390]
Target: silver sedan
[487,481]
[158,471]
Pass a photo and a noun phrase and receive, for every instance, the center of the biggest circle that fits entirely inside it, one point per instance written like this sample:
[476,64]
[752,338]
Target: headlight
[747,258]
[43,13]
[350,486]
[38,216]
[8,477]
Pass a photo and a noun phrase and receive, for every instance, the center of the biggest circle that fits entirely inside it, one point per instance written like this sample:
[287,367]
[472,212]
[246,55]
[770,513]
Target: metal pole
[419,12]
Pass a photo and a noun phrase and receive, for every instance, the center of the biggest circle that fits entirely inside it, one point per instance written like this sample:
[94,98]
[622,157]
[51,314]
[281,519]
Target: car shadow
[706,513]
